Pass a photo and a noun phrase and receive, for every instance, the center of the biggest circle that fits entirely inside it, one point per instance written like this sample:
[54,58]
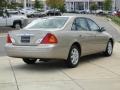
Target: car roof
[69,17]
[74,16]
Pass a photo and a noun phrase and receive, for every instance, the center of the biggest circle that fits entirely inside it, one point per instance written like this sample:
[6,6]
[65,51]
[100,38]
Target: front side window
[93,26]
[80,24]
[48,23]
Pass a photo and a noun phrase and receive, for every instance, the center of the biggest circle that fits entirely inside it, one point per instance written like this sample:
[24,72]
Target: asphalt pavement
[94,72]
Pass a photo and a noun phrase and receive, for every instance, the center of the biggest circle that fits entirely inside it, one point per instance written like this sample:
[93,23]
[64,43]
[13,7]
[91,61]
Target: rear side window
[80,24]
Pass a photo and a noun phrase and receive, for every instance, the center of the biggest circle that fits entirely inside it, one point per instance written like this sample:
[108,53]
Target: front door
[2,19]
[100,38]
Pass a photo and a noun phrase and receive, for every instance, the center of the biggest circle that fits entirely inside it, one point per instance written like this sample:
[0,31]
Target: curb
[117,27]
[3,34]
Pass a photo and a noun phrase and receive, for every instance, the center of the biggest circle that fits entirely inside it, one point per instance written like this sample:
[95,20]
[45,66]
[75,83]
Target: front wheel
[109,49]
[29,61]
[73,57]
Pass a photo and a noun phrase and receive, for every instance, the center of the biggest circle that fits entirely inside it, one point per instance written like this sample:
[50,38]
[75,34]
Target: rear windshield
[47,23]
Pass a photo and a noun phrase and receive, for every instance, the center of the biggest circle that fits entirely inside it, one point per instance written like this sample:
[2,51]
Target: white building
[18,1]
[73,5]
[116,4]
[28,2]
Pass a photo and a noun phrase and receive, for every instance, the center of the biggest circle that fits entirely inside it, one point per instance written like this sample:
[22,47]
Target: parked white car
[83,11]
[13,11]
[15,21]
[27,11]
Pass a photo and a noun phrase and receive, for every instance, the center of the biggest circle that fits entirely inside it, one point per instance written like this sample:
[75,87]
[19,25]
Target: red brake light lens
[49,39]
[9,39]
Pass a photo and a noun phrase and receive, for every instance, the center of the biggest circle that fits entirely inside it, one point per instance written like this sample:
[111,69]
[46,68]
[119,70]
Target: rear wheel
[73,57]
[32,16]
[109,49]
[29,61]
[17,26]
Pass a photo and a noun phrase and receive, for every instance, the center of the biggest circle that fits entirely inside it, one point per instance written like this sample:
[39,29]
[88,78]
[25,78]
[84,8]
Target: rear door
[85,38]
[10,20]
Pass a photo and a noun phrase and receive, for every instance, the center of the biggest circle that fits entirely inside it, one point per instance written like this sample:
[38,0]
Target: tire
[109,49]
[29,61]
[17,26]
[32,16]
[73,57]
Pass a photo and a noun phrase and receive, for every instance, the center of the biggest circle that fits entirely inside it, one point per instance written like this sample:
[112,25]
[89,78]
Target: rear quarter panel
[65,41]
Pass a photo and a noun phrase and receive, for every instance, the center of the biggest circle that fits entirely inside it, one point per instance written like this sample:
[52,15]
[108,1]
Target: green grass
[115,19]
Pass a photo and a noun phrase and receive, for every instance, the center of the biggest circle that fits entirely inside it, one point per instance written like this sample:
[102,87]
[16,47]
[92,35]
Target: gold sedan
[62,38]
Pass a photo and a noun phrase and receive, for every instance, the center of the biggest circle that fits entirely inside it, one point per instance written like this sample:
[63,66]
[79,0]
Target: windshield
[47,23]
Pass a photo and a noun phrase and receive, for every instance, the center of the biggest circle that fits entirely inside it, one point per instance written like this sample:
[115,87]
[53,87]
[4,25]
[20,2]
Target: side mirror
[102,29]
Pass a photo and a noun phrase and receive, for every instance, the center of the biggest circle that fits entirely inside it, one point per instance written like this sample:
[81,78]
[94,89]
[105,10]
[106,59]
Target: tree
[56,4]
[38,4]
[13,5]
[61,5]
[93,6]
[51,3]
[107,5]
[3,4]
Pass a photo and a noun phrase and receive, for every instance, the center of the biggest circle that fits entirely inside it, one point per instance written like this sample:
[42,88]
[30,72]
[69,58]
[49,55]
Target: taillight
[9,39]
[49,39]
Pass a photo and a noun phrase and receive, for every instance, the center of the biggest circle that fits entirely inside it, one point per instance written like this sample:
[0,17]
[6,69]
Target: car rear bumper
[41,51]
